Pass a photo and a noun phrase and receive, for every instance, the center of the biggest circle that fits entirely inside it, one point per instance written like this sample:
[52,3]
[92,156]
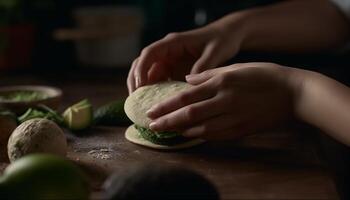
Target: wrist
[297,83]
[234,27]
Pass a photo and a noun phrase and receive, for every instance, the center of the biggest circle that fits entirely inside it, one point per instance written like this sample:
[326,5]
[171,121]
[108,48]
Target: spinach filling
[162,138]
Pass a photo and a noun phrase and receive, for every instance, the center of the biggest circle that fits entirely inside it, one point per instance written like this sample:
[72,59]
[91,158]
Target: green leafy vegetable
[41,112]
[162,138]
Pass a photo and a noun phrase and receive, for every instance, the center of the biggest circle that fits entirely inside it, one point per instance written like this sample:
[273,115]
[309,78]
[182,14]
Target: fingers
[187,97]
[131,78]
[196,79]
[207,59]
[148,57]
[157,52]
[186,116]
[157,73]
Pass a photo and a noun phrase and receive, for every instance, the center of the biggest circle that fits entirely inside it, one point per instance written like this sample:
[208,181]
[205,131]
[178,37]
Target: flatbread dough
[141,100]
[134,136]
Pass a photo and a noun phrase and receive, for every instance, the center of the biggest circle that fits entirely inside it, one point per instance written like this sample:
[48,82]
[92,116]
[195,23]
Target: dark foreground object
[159,182]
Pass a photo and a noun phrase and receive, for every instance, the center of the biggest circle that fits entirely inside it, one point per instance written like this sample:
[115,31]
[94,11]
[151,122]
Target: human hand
[182,53]
[228,102]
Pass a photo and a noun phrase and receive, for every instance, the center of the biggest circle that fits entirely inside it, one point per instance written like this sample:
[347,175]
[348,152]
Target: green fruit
[43,176]
[111,114]
[79,116]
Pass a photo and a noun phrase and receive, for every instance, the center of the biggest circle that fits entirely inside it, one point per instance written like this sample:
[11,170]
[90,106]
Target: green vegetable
[43,176]
[111,114]
[23,96]
[79,116]
[162,138]
[41,111]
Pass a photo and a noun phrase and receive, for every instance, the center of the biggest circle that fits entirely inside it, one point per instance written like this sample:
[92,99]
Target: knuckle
[223,80]
[190,113]
[205,129]
[146,51]
[172,36]
[164,123]
[134,62]
[183,98]
[220,81]
[207,72]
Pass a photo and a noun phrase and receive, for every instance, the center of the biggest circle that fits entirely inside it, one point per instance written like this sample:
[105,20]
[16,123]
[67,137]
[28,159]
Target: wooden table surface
[279,164]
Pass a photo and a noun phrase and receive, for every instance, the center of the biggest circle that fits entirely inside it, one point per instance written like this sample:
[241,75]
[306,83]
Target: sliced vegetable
[79,116]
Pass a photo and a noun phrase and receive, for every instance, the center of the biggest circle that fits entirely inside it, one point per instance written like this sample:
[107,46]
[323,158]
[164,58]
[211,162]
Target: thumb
[206,60]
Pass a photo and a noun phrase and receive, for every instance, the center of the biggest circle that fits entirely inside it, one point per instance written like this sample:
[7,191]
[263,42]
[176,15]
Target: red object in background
[19,45]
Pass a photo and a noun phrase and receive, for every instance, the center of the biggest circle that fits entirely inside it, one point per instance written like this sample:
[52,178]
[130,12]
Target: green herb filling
[162,138]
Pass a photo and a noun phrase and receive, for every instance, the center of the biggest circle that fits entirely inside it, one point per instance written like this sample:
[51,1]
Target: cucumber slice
[79,116]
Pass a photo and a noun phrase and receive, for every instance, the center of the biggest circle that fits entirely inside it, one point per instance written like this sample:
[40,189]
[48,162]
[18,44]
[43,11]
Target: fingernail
[153,125]
[189,76]
[150,112]
[138,82]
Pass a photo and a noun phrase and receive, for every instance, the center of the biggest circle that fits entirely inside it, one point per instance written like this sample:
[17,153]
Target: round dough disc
[133,136]
[141,100]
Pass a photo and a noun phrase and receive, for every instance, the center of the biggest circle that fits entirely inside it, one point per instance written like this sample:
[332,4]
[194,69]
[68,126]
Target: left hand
[228,102]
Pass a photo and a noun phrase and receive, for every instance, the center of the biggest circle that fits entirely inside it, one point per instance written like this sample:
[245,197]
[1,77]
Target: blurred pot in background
[105,36]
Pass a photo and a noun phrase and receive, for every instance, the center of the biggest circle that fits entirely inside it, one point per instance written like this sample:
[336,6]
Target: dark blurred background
[48,33]
[63,35]
[68,34]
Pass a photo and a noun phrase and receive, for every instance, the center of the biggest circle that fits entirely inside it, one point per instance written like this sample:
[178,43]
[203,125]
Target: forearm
[290,26]
[324,103]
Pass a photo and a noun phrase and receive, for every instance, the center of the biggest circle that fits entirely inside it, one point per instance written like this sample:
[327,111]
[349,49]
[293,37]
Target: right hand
[179,54]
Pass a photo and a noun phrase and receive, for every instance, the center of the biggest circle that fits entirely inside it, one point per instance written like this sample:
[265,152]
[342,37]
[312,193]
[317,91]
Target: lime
[43,176]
